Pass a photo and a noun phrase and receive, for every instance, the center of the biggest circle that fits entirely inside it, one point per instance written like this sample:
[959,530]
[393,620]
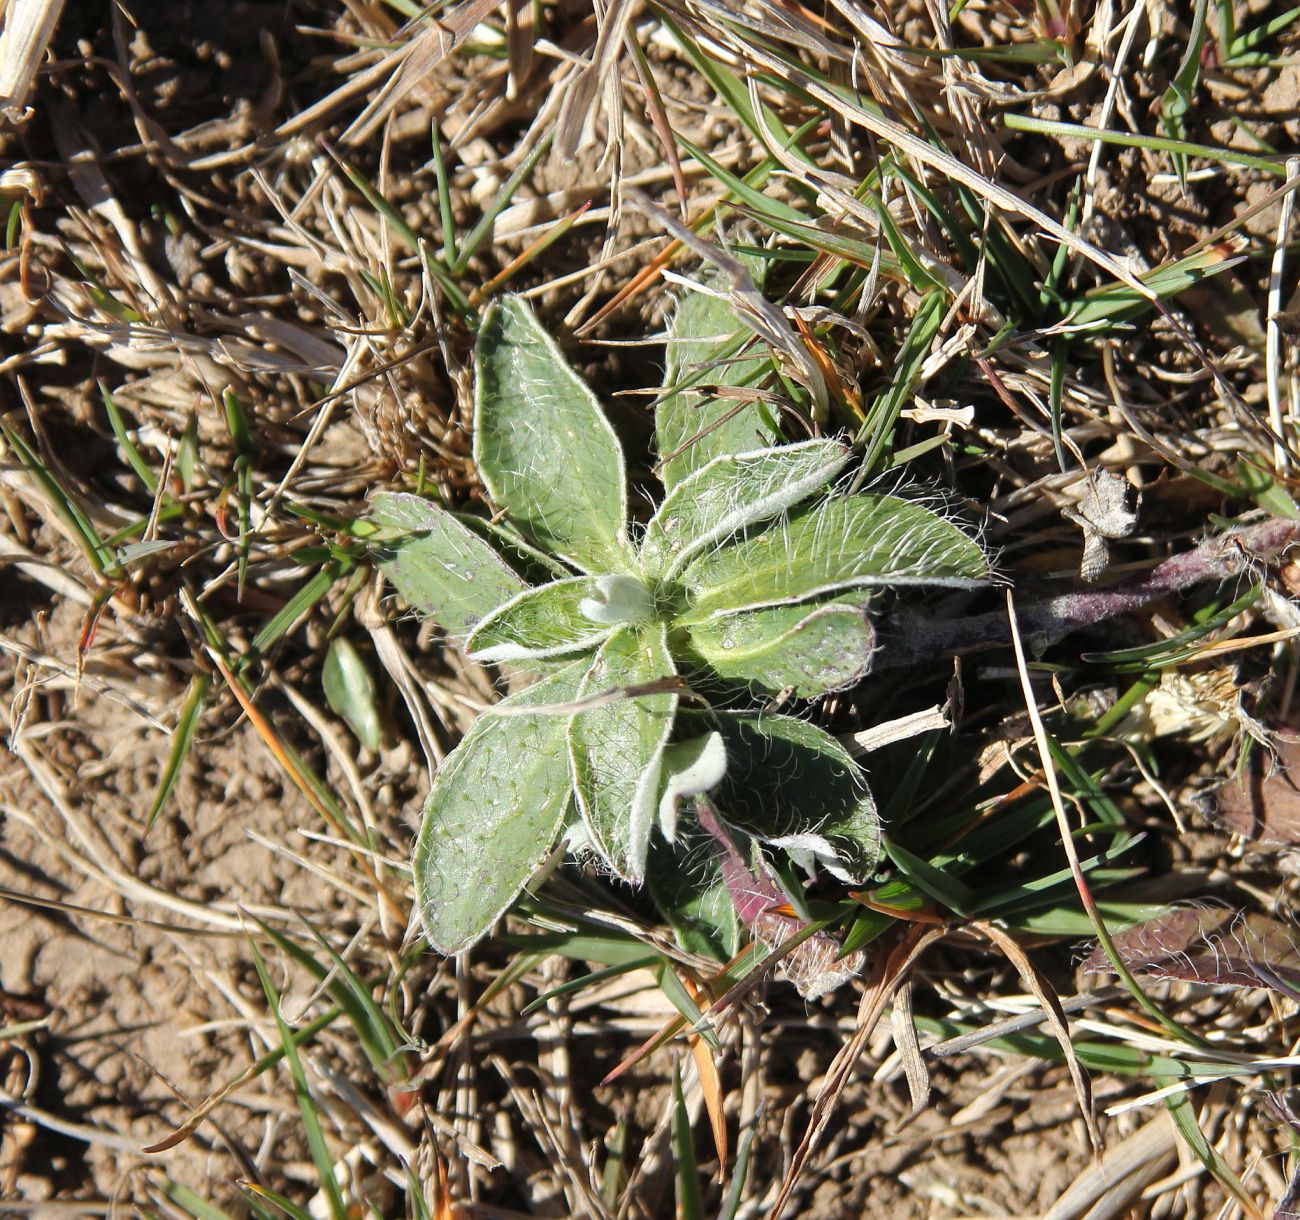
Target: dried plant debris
[1262,800]
[1107,509]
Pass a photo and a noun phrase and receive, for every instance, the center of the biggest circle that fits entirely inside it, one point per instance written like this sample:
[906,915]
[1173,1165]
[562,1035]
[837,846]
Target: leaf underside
[543,447]
[443,569]
[498,801]
[790,782]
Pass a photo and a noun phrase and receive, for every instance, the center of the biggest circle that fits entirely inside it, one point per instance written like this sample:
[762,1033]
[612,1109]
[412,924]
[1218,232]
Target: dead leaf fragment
[1263,801]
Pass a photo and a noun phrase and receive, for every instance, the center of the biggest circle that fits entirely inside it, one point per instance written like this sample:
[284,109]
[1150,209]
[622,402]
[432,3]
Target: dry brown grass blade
[1056,1020]
[889,974]
[394,910]
[1110,1188]
[28,27]
[414,61]
[908,1046]
[579,110]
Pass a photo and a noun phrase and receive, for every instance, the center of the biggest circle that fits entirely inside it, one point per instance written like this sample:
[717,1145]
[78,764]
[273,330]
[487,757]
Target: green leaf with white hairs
[807,649]
[842,543]
[793,785]
[444,570]
[543,447]
[686,882]
[497,804]
[617,747]
[540,623]
[692,427]
[731,493]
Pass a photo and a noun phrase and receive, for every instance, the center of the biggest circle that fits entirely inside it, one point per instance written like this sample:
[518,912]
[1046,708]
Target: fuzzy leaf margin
[731,493]
[442,568]
[543,447]
[844,542]
[617,748]
[496,806]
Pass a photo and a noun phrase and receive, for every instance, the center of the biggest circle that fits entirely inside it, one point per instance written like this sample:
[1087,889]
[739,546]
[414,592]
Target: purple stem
[914,639]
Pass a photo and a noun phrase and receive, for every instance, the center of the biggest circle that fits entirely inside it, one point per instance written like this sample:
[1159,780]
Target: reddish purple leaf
[1215,945]
[814,966]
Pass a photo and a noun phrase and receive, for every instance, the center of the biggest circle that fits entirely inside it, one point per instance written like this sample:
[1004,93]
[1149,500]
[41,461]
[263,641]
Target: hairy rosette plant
[750,578]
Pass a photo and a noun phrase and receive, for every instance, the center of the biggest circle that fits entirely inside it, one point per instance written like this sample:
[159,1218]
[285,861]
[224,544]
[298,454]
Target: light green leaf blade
[793,785]
[617,747]
[807,649]
[690,428]
[350,691]
[731,493]
[497,804]
[842,543]
[443,569]
[543,446]
[540,623]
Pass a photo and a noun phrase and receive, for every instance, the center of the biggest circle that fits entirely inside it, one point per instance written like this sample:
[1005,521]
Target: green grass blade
[1128,139]
[187,725]
[189,1202]
[320,1153]
[299,604]
[690,1204]
[877,432]
[133,456]
[63,506]
[1184,1118]
[480,232]
[445,214]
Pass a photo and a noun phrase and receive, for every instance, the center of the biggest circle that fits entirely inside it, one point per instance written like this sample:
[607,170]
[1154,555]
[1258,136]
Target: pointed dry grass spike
[1051,1004]
[579,112]
[28,27]
[97,684]
[908,1046]
[769,322]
